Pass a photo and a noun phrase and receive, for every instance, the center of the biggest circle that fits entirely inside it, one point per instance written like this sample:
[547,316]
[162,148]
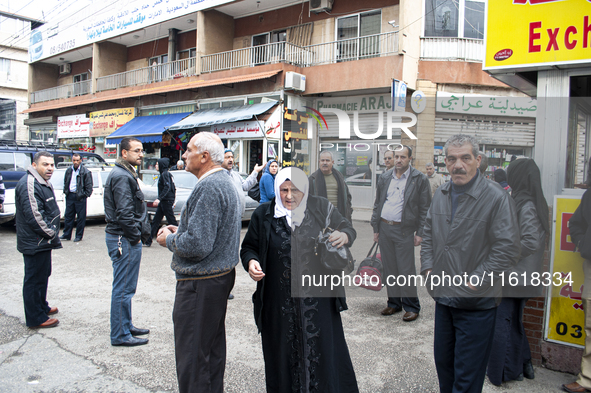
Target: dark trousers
[398,258]
[463,341]
[37,272]
[164,209]
[199,318]
[74,208]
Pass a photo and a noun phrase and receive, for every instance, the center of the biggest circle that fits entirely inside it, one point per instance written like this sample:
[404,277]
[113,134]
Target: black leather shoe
[528,370]
[138,332]
[132,342]
[77,240]
[62,237]
[230,297]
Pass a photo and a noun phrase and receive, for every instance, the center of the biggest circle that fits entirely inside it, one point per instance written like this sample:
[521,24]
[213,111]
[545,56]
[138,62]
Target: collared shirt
[75,173]
[392,210]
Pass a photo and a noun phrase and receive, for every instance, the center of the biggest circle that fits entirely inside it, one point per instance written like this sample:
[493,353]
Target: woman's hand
[338,239]
[254,270]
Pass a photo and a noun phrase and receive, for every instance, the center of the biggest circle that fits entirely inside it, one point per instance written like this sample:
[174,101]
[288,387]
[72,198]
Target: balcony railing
[277,52]
[330,52]
[366,47]
[449,48]
[59,92]
[143,76]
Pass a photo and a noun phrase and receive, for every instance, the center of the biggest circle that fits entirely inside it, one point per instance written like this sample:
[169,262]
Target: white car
[94,205]
[8,210]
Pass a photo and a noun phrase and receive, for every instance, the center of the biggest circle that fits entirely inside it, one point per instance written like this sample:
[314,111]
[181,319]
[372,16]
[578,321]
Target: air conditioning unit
[65,69]
[318,6]
[295,81]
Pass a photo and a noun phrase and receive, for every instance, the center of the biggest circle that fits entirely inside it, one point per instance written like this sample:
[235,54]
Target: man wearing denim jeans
[124,212]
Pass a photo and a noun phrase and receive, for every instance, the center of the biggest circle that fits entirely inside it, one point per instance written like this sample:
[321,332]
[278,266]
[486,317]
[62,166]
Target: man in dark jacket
[37,230]
[471,234]
[165,201]
[403,196]
[125,212]
[581,237]
[331,185]
[77,187]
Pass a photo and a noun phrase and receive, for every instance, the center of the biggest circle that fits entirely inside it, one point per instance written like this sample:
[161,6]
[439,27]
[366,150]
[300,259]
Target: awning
[145,128]
[209,117]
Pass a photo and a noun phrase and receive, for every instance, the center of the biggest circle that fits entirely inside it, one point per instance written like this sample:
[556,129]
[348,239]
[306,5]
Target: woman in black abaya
[303,340]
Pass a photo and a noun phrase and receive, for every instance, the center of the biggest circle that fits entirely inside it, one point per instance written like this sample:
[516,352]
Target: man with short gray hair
[435,179]
[205,251]
[471,233]
[483,163]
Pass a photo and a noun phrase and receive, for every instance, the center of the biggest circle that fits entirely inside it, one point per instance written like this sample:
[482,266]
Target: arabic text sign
[239,129]
[472,104]
[524,33]
[362,104]
[104,123]
[97,23]
[75,126]
[565,321]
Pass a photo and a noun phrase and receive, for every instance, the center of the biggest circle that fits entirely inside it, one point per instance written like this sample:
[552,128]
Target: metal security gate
[493,130]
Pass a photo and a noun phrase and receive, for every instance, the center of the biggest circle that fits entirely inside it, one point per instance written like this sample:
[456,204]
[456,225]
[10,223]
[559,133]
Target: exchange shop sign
[104,123]
[75,126]
[532,33]
[565,319]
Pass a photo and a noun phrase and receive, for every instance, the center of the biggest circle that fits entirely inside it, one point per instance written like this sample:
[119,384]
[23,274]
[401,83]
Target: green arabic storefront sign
[474,104]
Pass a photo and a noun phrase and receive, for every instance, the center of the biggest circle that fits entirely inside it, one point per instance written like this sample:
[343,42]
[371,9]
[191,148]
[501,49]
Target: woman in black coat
[510,358]
[302,334]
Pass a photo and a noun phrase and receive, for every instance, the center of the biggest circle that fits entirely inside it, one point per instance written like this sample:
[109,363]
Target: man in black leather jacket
[37,230]
[77,187]
[165,201]
[125,212]
[471,234]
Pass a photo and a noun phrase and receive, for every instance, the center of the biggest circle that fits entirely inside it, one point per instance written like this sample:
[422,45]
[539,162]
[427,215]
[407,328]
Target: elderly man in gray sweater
[205,252]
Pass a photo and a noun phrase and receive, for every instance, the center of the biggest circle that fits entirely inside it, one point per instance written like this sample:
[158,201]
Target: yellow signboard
[529,33]
[565,318]
[104,123]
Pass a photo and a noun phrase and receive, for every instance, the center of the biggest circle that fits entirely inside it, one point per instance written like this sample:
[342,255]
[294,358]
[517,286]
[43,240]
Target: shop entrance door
[255,154]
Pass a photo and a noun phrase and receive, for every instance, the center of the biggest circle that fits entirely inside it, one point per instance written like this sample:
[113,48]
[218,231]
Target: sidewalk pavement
[388,355]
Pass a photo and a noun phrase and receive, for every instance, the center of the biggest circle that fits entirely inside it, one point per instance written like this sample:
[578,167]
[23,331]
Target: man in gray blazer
[402,200]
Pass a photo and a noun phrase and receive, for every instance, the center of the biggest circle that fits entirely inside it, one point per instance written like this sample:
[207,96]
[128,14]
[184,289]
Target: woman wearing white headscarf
[303,340]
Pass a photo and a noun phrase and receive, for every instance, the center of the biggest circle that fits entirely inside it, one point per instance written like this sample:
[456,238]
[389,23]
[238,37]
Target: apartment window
[454,18]
[269,53]
[4,70]
[185,54]
[358,34]
[158,60]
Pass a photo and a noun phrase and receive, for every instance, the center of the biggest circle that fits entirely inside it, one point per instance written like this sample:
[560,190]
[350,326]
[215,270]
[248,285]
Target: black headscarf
[500,175]
[525,181]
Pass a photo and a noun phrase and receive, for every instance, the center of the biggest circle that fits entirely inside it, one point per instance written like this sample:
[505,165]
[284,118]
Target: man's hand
[427,272]
[376,237]
[163,234]
[255,271]
[338,239]
[258,168]
[418,240]
[156,202]
[172,228]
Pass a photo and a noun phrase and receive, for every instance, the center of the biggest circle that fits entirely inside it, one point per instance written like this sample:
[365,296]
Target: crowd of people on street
[469,225]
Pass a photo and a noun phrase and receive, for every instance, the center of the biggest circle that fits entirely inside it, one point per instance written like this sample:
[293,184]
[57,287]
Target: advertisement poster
[537,32]
[565,318]
[74,126]
[104,123]
[296,148]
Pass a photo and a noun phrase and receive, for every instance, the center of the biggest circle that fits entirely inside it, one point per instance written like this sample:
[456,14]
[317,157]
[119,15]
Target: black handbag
[332,258]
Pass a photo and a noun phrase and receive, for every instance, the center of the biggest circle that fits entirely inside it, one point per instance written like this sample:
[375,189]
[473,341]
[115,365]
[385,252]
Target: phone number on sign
[536,279]
[62,47]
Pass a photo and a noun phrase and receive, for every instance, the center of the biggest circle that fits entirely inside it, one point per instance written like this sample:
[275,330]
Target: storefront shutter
[507,131]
